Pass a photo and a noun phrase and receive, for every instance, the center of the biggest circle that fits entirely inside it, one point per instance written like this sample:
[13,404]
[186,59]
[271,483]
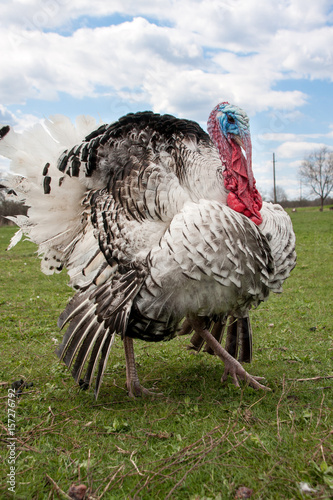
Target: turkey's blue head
[228,127]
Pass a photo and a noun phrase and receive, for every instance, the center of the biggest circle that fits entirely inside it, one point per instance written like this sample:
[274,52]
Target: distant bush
[9,207]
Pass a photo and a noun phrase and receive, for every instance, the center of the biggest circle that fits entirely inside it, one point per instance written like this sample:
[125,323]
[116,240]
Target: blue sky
[274,58]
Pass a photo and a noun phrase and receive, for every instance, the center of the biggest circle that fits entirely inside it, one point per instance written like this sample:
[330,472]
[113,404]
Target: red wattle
[242,198]
[234,202]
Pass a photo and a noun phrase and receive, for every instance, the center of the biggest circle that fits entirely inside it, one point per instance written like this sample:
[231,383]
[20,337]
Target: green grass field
[201,439]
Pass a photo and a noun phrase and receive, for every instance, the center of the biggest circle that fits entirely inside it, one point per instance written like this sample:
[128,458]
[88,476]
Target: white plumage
[155,222]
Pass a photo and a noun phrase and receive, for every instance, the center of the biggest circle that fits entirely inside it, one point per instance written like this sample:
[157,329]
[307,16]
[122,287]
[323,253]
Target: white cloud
[6,116]
[20,121]
[238,22]
[180,57]
[306,54]
[297,149]
[285,137]
[116,56]
[203,51]
[278,137]
[296,164]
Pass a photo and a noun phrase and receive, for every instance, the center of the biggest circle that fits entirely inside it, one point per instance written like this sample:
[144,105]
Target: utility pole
[274,180]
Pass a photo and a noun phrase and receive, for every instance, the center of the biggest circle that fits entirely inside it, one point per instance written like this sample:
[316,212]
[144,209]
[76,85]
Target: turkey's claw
[135,389]
[237,372]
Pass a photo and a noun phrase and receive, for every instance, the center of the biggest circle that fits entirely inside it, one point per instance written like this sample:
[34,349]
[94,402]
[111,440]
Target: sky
[273,58]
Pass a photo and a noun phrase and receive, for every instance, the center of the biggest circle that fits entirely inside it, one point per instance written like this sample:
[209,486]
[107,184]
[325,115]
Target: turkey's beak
[246,147]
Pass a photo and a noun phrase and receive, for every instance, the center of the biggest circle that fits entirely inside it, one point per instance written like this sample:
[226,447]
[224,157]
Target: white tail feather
[15,239]
[54,221]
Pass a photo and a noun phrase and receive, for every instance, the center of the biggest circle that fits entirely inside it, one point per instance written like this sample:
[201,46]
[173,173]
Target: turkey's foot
[236,371]
[232,366]
[135,389]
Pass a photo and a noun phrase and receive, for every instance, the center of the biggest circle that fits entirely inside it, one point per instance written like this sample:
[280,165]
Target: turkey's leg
[186,328]
[132,379]
[238,338]
[231,365]
[197,341]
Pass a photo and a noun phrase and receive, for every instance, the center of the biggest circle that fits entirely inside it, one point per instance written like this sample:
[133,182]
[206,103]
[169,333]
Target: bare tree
[316,172]
[281,195]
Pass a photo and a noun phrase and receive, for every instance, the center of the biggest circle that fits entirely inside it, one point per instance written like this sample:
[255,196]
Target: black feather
[62,162]
[47,184]
[4,131]
[46,169]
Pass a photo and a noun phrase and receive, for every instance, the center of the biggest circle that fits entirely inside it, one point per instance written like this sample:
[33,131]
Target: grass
[201,440]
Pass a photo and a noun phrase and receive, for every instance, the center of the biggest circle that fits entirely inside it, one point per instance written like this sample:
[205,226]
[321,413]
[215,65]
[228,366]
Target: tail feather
[86,347]
[94,358]
[95,317]
[74,306]
[231,344]
[245,345]
[66,133]
[102,363]
[15,239]
[239,339]
[124,291]
[54,222]
[79,329]
[78,325]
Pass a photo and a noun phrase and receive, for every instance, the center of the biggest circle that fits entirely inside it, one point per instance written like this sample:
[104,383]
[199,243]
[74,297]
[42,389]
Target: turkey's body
[138,214]
[203,265]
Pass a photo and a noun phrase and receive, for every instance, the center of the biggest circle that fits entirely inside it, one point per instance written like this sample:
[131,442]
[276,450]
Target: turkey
[155,221]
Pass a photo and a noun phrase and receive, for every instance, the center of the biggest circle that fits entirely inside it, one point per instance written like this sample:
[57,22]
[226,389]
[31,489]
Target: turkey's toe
[237,372]
[136,390]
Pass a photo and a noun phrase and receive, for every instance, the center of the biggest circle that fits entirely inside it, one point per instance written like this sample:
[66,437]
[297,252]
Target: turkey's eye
[231,119]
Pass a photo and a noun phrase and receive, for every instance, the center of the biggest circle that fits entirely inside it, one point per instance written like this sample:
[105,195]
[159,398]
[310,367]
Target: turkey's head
[228,127]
